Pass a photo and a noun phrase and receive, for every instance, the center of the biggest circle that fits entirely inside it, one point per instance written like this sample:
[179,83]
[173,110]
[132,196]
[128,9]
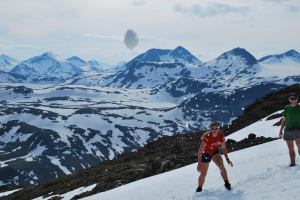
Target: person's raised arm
[225,152]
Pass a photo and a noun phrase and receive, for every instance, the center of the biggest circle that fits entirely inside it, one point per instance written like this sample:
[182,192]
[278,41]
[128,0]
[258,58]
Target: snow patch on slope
[71,194]
[271,178]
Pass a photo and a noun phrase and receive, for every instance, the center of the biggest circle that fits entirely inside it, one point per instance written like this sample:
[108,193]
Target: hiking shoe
[227,185]
[199,189]
[292,165]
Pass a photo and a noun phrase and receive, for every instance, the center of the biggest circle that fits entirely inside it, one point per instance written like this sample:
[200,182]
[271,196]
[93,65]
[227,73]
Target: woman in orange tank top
[212,140]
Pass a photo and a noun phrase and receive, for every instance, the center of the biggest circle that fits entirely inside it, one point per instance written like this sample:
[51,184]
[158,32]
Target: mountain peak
[291,52]
[177,55]
[180,48]
[76,58]
[43,57]
[48,54]
[93,62]
[241,52]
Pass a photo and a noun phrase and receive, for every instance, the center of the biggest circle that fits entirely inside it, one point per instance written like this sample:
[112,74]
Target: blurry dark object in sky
[131,39]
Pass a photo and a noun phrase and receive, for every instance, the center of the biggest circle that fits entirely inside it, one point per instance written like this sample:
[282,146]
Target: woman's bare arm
[283,121]
[225,152]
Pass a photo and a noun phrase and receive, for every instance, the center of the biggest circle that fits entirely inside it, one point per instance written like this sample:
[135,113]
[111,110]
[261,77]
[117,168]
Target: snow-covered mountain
[7,63]
[286,64]
[67,129]
[70,128]
[177,55]
[46,67]
[291,55]
[271,166]
[96,117]
[87,66]
[146,75]
[78,62]
[93,65]
[232,70]
[6,77]
[153,68]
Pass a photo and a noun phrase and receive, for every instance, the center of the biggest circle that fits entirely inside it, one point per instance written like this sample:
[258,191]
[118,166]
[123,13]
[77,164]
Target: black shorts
[206,158]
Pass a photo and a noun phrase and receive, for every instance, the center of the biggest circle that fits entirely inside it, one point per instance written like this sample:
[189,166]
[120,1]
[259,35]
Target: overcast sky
[94,29]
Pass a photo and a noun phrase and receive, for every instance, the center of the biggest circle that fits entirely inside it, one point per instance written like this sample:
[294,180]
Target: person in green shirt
[291,122]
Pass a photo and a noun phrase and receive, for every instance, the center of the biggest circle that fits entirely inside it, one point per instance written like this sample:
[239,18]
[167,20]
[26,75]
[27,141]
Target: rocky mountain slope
[161,155]
[67,127]
[231,70]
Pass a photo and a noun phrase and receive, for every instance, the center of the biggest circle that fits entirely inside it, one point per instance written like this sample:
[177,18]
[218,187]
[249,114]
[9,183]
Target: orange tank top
[212,143]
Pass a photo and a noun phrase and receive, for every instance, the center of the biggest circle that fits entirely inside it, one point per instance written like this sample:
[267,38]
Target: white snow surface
[262,127]
[2,194]
[259,172]
[71,194]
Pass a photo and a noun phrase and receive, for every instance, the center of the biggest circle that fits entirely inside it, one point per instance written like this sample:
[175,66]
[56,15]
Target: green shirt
[292,115]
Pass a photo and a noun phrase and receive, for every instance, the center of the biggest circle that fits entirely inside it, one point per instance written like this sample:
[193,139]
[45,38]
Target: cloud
[210,10]
[293,8]
[288,4]
[139,2]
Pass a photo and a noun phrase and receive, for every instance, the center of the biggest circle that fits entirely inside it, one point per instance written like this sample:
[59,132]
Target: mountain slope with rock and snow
[82,119]
[78,117]
[282,65]
[232,70]
[154,67]
[248,182]
[260,118]
[177,55]
[55,127]
[271,178]
[46,67]
[86,66]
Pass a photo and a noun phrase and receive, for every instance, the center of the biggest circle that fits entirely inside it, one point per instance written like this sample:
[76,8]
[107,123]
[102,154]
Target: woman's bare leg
[290,144]
[219,162]
[203,171]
